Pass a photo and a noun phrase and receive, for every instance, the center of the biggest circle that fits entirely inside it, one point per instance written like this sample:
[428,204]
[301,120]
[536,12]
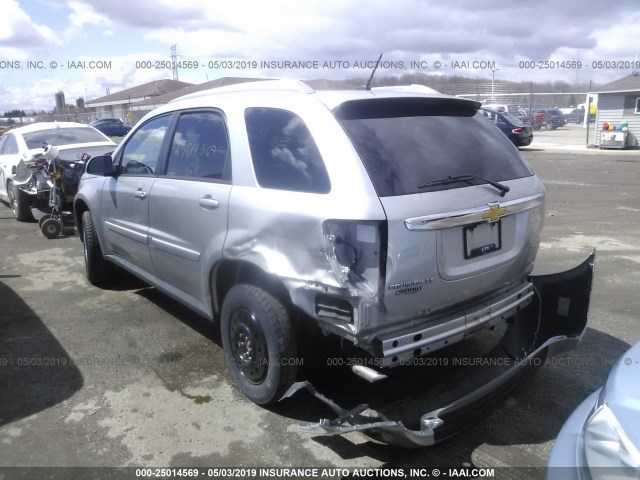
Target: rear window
[512,119]
[407,142]
[62,136]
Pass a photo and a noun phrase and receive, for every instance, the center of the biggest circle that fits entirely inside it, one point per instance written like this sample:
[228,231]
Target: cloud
[18,31]
[406,30]
[151,14]
[81,17]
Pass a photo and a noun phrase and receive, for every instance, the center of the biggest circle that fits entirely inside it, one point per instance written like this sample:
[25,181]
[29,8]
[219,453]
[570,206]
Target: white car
[22,143]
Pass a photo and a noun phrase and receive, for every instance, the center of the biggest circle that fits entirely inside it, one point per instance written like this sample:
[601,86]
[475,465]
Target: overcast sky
[497,34]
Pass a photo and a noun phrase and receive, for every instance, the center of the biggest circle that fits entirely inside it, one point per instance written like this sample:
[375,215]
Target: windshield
[62,136]
[405,143]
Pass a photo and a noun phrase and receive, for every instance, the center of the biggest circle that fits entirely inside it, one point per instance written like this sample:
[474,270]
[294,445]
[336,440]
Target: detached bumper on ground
[553,323]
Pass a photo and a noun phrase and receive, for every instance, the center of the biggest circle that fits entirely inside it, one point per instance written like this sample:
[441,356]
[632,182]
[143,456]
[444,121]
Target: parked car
[536,118]
[111,127]
[517,131]
[23,143]
[575,116]
[557,118]
[601,438]
[399,222]
[542,120]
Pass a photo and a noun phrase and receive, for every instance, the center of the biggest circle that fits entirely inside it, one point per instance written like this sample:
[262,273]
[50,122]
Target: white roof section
[274,92]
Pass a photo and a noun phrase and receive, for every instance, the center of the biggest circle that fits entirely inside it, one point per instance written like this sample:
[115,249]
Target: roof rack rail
[285,85]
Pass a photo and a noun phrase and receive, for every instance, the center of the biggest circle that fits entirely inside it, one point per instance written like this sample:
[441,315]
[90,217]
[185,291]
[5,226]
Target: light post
[493,78]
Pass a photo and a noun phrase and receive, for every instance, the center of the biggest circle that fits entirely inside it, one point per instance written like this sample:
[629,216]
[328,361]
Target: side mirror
[101,165]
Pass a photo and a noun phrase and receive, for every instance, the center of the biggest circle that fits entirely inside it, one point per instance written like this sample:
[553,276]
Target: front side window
[141,153]
[284,154]
[637,111]
[200,147]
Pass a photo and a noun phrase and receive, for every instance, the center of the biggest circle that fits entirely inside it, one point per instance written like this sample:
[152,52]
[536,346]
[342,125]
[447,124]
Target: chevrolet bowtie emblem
[494,213]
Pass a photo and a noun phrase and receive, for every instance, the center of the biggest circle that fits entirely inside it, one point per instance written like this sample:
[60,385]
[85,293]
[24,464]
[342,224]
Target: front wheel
[20,203]
[259,343]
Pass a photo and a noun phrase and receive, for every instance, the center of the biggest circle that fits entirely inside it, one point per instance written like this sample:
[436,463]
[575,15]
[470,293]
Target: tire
[51,228]
[20,203]
[99,271]
[42,220]
[259,343]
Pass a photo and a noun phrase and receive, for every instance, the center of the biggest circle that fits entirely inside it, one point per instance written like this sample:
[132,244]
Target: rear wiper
[466,178]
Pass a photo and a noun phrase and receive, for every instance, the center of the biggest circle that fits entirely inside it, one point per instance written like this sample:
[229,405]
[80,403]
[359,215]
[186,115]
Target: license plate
[482,238]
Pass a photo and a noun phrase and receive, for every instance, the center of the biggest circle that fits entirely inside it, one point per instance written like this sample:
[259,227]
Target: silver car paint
[620,394]
[176,243]
[281,232]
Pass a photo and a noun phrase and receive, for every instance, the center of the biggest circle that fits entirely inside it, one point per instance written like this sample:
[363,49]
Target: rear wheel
[99,270]
[259,343]
[20,203]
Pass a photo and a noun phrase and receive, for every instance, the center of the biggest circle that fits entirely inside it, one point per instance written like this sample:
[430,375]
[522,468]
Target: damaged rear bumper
[553,323]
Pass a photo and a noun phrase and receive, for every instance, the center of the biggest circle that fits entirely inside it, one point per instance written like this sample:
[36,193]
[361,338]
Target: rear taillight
[517,130]
[355,251]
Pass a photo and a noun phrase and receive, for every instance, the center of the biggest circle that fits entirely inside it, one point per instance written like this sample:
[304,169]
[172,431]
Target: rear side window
[284,154]
[406,142]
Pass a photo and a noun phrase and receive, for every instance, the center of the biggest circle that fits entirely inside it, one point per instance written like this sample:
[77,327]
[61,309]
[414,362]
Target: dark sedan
[518,132]
[111,127]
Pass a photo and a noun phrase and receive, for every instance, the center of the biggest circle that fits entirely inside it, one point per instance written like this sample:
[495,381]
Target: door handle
[209,203]
[140,194]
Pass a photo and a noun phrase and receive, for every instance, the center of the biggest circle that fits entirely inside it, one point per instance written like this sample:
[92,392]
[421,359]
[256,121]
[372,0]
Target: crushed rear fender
[553,323]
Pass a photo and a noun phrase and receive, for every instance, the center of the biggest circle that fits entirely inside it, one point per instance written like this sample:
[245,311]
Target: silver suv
[400,221]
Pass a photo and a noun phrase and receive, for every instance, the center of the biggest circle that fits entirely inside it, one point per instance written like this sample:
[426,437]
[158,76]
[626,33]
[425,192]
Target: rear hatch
[450,242]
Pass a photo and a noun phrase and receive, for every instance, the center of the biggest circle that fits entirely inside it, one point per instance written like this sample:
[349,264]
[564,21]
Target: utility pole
[174,61]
